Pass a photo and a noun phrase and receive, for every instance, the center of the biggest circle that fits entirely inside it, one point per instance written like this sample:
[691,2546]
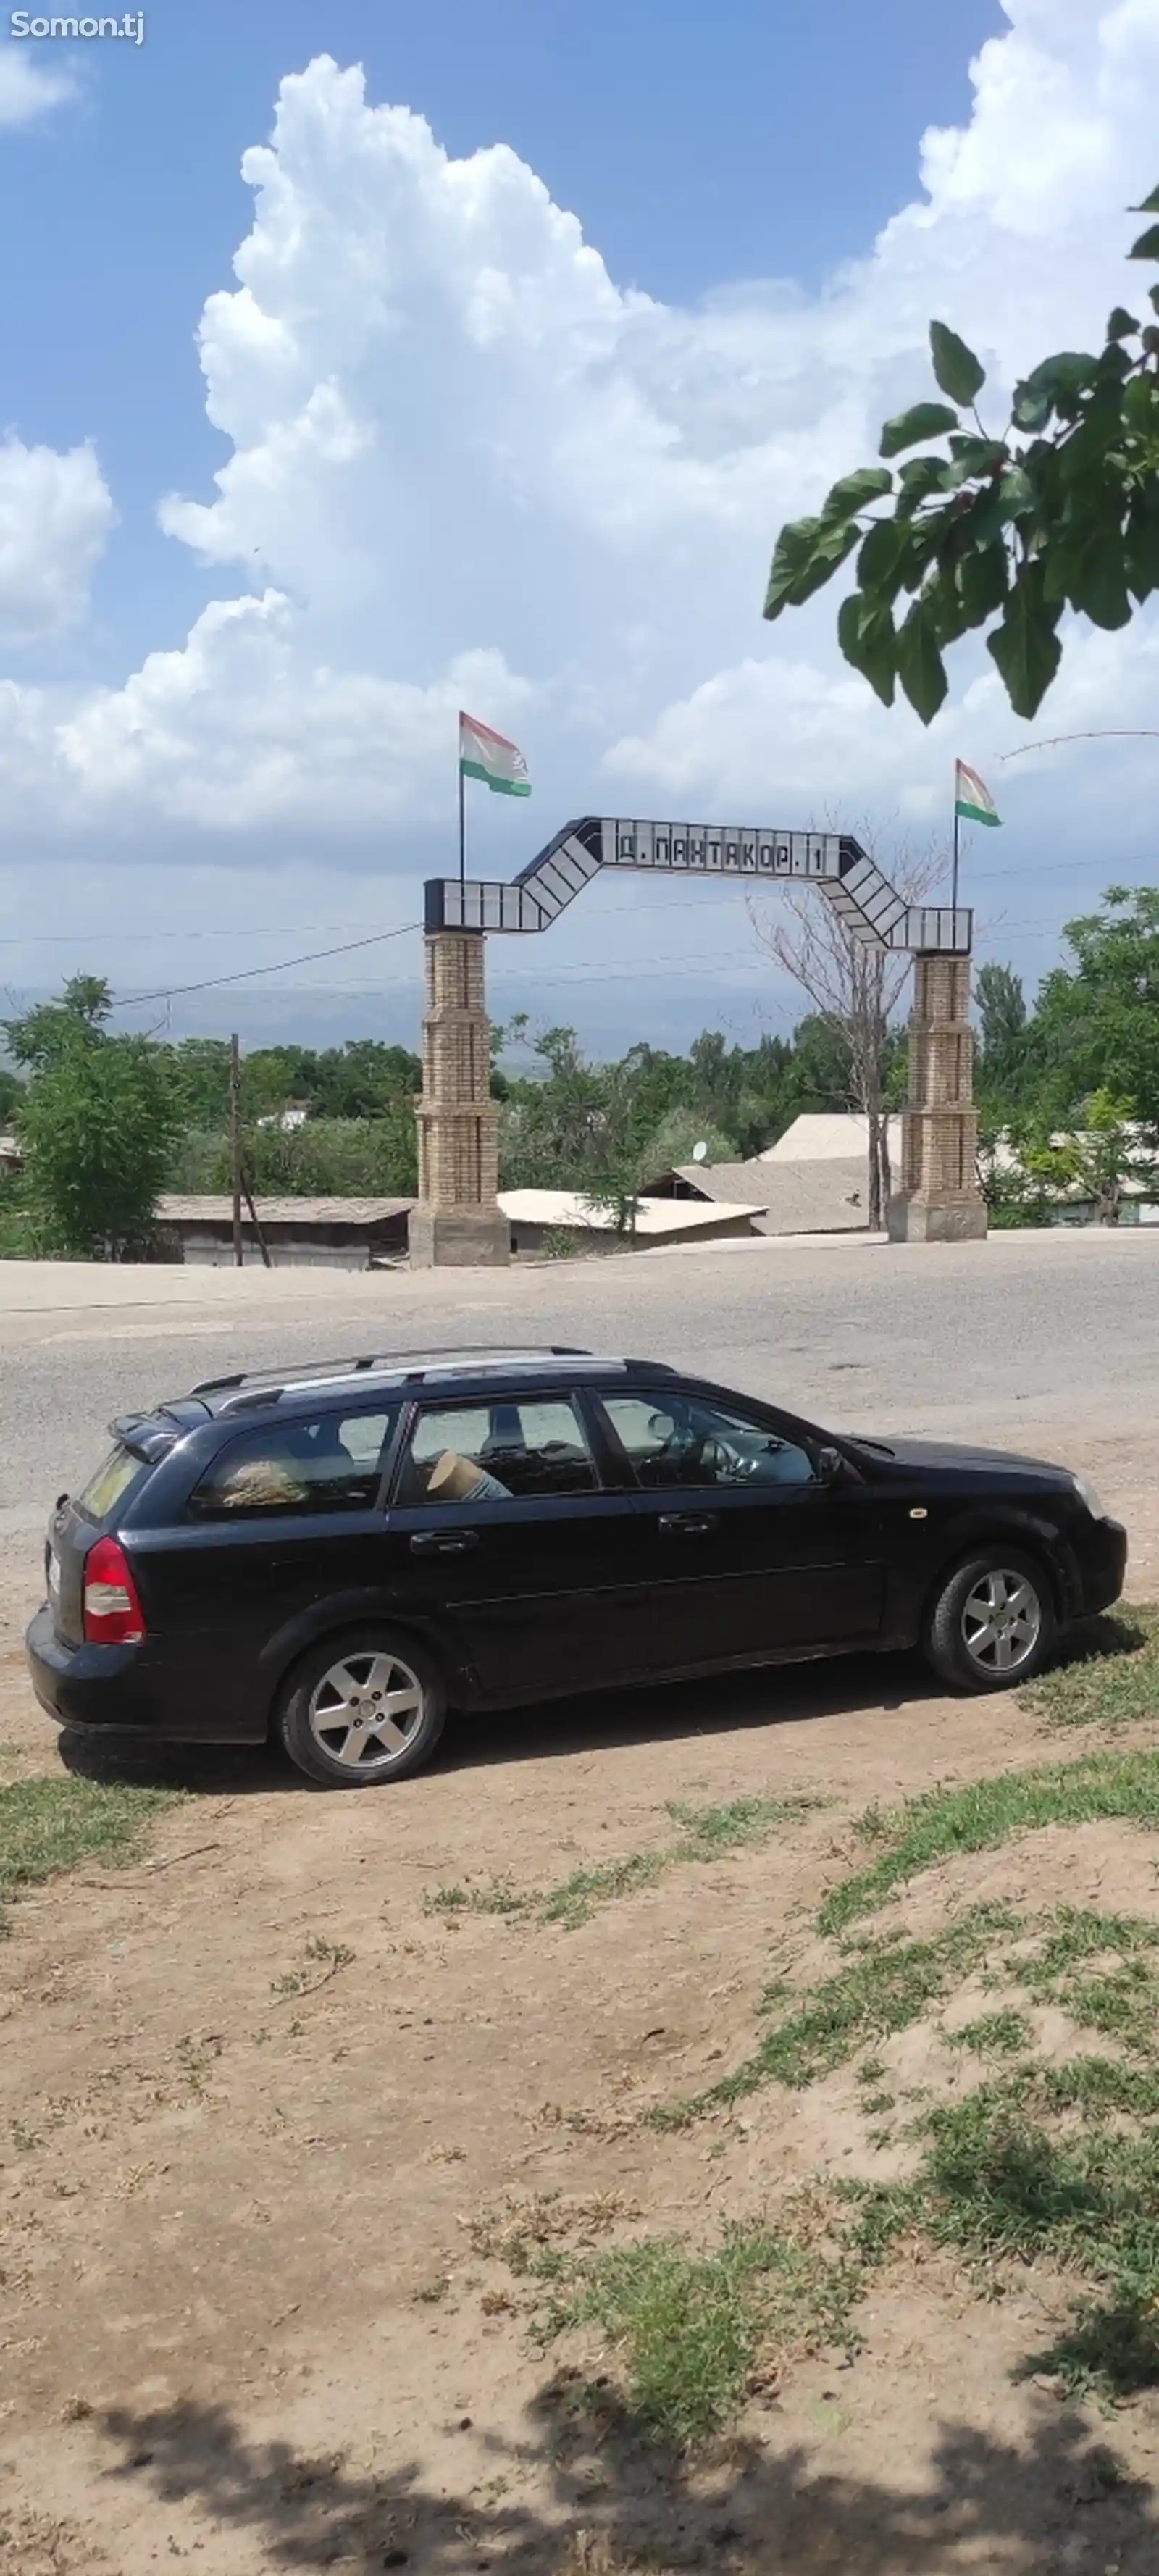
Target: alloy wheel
[366,1710]
[1001,1620]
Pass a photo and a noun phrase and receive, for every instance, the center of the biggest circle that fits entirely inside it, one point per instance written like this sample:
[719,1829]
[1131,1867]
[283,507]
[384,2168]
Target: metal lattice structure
[850,881]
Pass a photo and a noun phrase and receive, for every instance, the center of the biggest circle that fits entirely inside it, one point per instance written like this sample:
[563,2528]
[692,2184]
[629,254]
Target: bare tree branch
[854,989]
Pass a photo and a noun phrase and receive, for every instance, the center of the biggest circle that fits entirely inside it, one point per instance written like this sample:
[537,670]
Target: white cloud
[55,515]
[466,466]
[29,89]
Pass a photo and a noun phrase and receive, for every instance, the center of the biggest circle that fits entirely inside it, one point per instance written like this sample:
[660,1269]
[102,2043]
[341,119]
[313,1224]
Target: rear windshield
[110,1484]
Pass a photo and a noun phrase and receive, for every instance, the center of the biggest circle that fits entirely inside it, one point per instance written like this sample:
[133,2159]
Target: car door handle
[443,1542]
[687,1524]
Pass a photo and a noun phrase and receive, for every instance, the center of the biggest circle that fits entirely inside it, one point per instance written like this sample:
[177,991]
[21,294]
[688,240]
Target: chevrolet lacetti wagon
[334,1555]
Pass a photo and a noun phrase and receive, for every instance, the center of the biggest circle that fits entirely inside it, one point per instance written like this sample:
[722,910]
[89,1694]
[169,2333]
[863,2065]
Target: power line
[173,992]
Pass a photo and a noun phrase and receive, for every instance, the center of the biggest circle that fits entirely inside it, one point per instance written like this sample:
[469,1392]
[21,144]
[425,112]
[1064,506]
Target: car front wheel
[362,1708]
[993,1622]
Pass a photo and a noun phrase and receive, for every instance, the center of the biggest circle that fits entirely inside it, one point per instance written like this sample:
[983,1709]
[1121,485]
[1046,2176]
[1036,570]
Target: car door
[746,1546]
[501,1527]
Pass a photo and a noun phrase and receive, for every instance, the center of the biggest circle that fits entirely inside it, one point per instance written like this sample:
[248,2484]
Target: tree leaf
[974,456]
[958,372]
[907,428]
[1150,205]
[879,562]
[1095,574]
[793,550]
[1142,543]
[1147,246]
[920,667]
[1056,383]
[1025,646]
[1122,325]
[944,605]
[865,632]
[983,579]
[920,478]
[855,491]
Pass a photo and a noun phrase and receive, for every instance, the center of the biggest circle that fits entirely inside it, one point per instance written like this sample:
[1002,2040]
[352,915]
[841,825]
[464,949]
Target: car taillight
[112,1612]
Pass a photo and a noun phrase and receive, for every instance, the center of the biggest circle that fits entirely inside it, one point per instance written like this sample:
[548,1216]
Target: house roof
[828,1197]
[744,1184]
[828,1137]
[655,1217]
[219,1211]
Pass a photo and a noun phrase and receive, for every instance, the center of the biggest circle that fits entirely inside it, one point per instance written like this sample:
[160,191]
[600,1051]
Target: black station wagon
[336,1554]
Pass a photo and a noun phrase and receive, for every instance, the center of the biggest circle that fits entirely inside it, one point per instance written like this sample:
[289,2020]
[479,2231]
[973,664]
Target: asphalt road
[1003,1340]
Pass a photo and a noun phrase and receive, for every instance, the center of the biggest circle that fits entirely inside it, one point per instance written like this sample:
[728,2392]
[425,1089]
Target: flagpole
[954,883]
[462,814]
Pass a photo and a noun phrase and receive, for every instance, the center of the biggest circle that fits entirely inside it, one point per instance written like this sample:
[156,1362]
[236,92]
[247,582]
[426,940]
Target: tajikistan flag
[489,756]
[972,798]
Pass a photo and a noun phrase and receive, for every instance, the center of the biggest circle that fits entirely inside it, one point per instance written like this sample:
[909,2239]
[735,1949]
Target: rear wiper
[882,1446]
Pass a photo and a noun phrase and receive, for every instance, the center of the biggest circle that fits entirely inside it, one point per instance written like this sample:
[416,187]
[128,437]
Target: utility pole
[235,1147]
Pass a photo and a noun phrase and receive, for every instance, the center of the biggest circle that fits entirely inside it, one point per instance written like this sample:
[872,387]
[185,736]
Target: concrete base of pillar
[458,1238]
[917,1220]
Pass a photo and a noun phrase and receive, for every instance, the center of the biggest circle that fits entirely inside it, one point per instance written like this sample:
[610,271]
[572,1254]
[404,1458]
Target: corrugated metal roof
[829,1136]
[219,1211]
[653,1216]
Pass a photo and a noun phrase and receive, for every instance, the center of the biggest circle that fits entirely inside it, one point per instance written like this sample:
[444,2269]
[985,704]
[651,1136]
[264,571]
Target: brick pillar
[938,1199]
[457,1219]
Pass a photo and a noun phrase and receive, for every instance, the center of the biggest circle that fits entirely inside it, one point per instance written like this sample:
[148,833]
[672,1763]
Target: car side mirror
[831,1466]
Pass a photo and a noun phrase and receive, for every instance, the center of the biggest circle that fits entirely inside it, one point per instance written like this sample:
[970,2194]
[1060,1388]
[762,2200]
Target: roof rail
[450,1352]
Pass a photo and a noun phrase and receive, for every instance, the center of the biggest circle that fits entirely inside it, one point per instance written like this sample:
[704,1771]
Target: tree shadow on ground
[661,1713]
[1057,2504]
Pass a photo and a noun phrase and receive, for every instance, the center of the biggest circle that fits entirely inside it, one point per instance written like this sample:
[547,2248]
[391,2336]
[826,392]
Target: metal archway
[458,1218]
[871,909]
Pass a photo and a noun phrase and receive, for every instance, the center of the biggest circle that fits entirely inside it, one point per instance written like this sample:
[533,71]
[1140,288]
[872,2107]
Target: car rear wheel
[364,1707]
[993,1622]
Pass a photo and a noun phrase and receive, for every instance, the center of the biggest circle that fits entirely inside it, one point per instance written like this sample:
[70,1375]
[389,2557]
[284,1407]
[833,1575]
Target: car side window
[477,1453]
[332,1463]
[674,1439]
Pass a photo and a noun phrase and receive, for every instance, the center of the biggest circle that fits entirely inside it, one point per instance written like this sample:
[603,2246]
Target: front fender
[981,1523]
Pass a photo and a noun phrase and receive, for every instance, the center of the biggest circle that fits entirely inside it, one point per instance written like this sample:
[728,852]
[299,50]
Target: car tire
[974,1651]
[332,1719]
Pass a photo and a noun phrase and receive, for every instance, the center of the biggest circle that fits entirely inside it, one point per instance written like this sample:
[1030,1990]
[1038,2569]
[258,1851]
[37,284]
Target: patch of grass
[706,1833]
[882,1986]
[698,2330]
[996,2183]
[1109,1676]
[491,1896]
[320,1961]
[997,2034]
[1103,1969]
[984,1813]
[50,1825]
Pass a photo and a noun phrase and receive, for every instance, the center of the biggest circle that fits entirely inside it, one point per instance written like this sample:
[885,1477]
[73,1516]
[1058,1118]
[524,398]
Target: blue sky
[762,139]
[460,459]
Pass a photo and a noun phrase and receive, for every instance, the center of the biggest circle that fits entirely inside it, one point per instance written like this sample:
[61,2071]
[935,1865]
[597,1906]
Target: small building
[827,1197]
[11,1158]
[331,1234]
[565,1220]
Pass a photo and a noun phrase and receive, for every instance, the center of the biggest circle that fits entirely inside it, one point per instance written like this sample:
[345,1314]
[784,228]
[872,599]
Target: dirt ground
[244,2319]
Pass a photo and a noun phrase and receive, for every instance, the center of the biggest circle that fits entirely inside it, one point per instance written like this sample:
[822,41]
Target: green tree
[1095,1160]
[81,1012]
[995,532]
[98,1127]
[1005,1049]
[11,1097]
[1096,1022]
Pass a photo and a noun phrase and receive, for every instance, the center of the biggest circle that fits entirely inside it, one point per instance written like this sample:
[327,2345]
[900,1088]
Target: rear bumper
[1102,1567]
[122,1690]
